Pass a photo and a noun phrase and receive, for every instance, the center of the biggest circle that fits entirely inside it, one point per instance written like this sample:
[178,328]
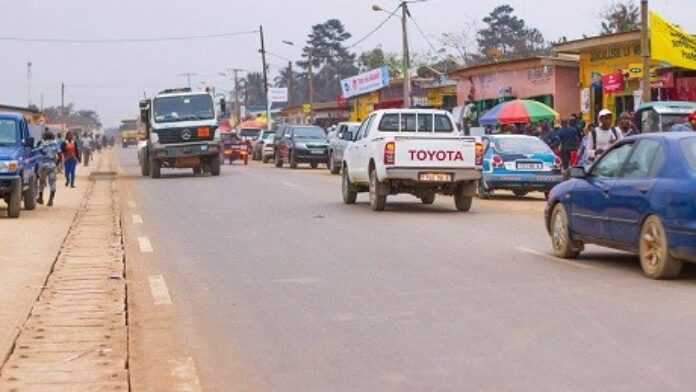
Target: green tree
[506,36]
[253,89]
[620,17]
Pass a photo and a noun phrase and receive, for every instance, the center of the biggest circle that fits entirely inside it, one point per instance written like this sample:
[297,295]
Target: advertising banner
[278,94]
[671,44]
[613,82]
[367,82]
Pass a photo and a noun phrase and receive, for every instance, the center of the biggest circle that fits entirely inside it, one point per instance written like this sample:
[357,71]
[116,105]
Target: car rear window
[521,145]
[689,149]
[443,123]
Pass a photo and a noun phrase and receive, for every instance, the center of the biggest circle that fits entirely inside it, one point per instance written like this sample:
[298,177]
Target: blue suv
[18,164]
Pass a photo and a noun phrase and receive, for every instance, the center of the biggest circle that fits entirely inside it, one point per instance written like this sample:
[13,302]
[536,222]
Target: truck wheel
[278,161]
[347,189]
[377,201]
[293,160]
[14,205]
[561,241]
[520,193]
[428,199]
[145,166]
[155,168]
[215,166]
[655,259]
[461,200]
[30,196]
[333,167]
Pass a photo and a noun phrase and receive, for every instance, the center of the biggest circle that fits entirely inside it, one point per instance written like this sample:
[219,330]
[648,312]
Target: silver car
[339,140]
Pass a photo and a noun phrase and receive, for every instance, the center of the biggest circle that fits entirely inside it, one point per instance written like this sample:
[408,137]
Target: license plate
[317,152]
[529,166]
[435,177]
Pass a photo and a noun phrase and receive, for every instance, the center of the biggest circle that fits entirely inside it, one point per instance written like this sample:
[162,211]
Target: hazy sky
[111,78]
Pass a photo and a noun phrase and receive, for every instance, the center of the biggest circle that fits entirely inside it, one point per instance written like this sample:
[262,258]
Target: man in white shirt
[604,136]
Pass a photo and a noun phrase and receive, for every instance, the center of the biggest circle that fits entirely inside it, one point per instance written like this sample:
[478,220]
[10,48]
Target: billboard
[367,82]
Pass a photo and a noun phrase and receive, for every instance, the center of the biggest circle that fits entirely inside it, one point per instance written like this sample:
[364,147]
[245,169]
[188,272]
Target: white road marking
[137,219]
[553,258]
[159,291]
[290,185]
[145,245]
[131,204]
[186,376]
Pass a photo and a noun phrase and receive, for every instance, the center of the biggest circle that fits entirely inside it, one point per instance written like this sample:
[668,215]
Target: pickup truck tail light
[479,154]
[497,161]
[390,153]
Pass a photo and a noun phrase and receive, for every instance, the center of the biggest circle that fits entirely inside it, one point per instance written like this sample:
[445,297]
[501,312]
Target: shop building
[550,80]
[389,97]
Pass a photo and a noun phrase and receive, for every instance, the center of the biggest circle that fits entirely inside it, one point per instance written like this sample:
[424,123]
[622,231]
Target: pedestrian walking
[688,126]
[71,157]
[50,160]
[569,143]
[604,136]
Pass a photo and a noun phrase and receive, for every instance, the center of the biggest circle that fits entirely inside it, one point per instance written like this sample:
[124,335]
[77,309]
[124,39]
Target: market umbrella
[519,111]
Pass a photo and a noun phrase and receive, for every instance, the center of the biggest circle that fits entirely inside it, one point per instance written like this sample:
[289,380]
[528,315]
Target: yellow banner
[671,44]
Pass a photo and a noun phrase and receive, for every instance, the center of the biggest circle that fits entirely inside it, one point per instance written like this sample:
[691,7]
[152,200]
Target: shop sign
[613,82]
[671,44]
[666,80]
[278,94]
[615,52]
[585,100]
[635,71]
[307,108]
[367,82]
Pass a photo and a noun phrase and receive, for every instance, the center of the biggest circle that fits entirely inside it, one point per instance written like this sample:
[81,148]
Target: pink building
[551,80]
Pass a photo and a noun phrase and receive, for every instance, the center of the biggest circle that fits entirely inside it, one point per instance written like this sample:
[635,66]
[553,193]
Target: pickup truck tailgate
[426,152]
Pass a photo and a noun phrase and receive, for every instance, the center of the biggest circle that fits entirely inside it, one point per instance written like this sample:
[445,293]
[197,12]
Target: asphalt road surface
[278,286]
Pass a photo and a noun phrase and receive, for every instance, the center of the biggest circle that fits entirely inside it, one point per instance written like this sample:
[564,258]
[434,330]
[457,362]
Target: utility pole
[291,82]
[237,109]
[265,79]
[188,75]
[406,55]
[645,50]
[29,84]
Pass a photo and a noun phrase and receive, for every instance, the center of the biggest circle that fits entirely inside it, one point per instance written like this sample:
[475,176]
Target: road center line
[186,376]
[159,290]
[552,258]
[137,219]
[145,245]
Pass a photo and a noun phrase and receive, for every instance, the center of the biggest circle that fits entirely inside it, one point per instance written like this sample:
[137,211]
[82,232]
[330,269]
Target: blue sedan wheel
[563,244]
[655,259]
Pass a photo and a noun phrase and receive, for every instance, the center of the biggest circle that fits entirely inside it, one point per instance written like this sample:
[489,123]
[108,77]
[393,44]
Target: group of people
[66,153]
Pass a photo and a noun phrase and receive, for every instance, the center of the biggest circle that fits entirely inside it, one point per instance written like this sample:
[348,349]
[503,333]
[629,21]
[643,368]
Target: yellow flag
[671,44]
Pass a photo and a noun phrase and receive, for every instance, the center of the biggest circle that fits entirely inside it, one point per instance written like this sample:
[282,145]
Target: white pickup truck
[416,151]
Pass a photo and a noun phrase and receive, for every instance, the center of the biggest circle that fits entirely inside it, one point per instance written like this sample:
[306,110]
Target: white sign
[365,83]
[585,100]
[637,99]
[278,94]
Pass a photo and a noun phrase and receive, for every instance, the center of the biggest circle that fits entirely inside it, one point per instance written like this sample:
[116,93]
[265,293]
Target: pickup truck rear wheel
[215,165]
[462,200]
[14,204]
[347,189]
[377,201]
[155,168]
[30,196]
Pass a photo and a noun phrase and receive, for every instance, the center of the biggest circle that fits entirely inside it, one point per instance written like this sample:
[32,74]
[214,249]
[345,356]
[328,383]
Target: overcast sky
[111,78]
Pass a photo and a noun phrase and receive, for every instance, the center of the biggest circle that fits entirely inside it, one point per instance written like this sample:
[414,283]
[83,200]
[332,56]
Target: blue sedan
[518,163]
[640,197]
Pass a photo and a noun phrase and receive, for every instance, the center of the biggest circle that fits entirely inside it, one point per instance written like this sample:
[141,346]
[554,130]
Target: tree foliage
[620,17]
[253,90]
[72,117]
[506,36]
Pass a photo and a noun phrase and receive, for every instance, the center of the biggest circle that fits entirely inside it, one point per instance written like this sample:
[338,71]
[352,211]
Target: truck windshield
[184,108]
[8,132]
[309,133]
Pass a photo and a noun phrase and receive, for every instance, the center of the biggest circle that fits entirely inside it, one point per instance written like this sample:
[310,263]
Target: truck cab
[18,164]
[179,132]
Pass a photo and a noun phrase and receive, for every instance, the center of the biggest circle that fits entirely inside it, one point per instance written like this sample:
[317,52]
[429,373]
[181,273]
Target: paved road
[277,281]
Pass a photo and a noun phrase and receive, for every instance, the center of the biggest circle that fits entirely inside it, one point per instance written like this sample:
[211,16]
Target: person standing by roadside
[569,142]
[604,136]
[626,125]
[50,160]
[71,156]
[688,126]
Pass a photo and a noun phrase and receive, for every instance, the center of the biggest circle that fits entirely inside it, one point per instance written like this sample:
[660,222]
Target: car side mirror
[578,172]
[29,142]
[347,135]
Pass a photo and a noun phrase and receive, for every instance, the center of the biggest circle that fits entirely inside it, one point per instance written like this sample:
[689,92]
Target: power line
[124,40]
[379,26]
[425,37]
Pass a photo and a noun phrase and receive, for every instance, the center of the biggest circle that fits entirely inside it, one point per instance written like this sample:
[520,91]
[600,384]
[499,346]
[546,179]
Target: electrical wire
[425,37]
[379,26]
[124,40]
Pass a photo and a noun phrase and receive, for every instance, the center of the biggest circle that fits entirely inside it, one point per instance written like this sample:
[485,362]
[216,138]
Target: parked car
[302,144]
[415,151]
[268,149]
[339,139]
[18,164]
[280,132]
[520,164]
[640,197]
[257,146]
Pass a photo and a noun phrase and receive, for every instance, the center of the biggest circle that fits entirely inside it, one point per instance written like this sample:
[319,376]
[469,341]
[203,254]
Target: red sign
[613,82]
